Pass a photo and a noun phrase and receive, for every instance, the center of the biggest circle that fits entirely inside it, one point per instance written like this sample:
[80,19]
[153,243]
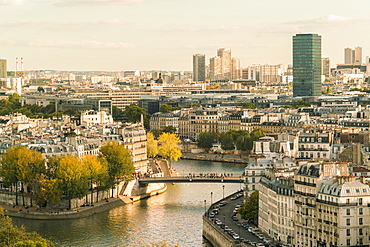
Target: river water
[174,216]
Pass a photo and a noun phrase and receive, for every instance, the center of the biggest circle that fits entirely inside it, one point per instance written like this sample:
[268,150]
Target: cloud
[67,3]
[114,21]
[88,44]
[12,2]
[203,29]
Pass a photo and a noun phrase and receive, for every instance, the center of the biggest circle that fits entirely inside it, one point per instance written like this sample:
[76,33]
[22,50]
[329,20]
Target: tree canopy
[248,105]
[13,236]
[133,114]
[206,140]
[249,210]
[151,145]
[168,146]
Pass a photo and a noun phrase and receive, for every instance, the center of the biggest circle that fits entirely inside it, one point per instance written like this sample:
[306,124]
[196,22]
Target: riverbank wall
[81,212]
[229,158]
[216,236]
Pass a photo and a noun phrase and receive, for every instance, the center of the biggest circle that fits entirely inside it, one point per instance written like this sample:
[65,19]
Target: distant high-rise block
[236,70]
[199,67]
[353,56]
[358,55]
[215,68]
[306,65]
[349,57]
[226,63]
[3,68]
[325,67]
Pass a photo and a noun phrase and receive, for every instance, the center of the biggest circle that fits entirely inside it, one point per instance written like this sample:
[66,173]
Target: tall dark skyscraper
[306,65]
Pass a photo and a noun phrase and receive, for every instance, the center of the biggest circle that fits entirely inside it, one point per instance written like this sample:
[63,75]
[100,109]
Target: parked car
[211,215]
[260,245]
[235,236]
[235,218]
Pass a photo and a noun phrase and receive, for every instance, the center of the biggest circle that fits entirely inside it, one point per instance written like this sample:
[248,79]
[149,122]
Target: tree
[168,146]
[151,145]
[165,108]
[11,235]
[169,129]
[21,164]
[206,140]
[119,162]
[227,142]
[249,210]
[95,171]
[248,105]
[133,114]
[117,114]
[72,177]
[45,190]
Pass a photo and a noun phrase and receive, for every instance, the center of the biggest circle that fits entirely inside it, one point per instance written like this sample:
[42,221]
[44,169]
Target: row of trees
[240,140]
[249,210]
[64,176]
[166,146]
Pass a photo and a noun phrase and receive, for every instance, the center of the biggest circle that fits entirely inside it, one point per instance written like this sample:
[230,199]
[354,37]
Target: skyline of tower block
[199,67]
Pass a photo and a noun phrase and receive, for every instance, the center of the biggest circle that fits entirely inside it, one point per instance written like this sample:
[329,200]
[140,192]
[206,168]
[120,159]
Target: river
[174,216]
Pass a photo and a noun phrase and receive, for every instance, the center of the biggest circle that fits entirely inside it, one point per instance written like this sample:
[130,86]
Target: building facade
[199,67]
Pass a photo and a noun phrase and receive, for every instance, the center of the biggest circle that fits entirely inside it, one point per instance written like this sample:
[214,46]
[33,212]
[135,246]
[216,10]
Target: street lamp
[224,220]
[223,191]
[211,198]
[205,210]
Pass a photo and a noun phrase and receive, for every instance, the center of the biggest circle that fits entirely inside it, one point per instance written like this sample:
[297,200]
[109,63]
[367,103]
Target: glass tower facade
[306,65]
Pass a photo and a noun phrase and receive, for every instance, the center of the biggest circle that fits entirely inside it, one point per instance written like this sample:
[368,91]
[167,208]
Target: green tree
[151,145]
[206,140]
[120,166]
[169,129]
[227,141]
[72,177]
[45,190]
[169,146]
[194,105]
[13,236]
[133,114]
[248,105]
[249,210]
[165,108]
[117,114]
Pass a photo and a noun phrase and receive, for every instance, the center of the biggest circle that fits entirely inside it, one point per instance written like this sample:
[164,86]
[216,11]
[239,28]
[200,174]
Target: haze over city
[163,34]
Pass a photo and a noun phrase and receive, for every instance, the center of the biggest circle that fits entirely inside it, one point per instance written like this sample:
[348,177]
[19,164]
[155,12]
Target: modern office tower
[325,66]
[358,55]
[3,68]
[349,57]
[215,68]
[226,64]
[254,72]
[199,67]
[236,70]
[306,65]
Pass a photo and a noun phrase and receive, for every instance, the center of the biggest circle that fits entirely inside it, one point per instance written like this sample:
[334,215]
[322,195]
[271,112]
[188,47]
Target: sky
[117,35]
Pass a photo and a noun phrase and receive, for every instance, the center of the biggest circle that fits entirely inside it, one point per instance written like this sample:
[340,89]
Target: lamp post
[205,209]
[211,198]
[224,220]
[223,191]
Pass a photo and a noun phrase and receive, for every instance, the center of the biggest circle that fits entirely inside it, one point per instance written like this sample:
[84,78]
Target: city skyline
[118,35]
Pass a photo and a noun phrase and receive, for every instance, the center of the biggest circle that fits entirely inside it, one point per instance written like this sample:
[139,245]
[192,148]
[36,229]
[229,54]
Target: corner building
[306,65]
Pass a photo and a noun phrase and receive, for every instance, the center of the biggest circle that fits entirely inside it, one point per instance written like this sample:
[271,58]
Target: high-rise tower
[199,67]
[3,68]
[226,64]
[306,65]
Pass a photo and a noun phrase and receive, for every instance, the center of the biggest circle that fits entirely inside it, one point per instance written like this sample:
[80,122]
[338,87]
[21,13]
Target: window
[360,232]
[347,201]
[357,191]
[348,222]
[349,241]
[348,211]
[360,201]
[348,232]
[360,211]
[360,222]
[348,191]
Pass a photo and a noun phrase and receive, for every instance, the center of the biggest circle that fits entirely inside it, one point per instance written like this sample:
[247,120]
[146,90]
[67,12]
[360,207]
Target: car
[211,215]
[260,236]
[86,204]
[233,197]
[254,243]
[246,241]
[235,218]
[235,236]
[222,225]
[226,228]
[215,211]
[260,245]
[250,229]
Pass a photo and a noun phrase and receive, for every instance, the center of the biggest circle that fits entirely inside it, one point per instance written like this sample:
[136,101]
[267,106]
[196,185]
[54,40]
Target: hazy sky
[164,34]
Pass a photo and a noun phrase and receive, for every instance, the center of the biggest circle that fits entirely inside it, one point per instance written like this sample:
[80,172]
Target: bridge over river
[191,179]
